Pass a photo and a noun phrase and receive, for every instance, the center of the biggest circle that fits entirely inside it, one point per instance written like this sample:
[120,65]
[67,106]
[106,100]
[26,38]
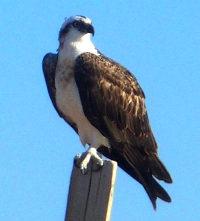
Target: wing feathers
[49,63]
[158,169]
[114,103]
[110,93]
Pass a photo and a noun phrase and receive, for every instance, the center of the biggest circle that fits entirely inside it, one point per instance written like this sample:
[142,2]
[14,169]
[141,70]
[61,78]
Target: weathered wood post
[90,196]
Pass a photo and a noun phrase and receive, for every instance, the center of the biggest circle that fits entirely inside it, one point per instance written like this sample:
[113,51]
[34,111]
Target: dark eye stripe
[76,24]
[64,30]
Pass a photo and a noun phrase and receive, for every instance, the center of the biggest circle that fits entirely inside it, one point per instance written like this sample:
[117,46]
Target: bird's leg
[82,160]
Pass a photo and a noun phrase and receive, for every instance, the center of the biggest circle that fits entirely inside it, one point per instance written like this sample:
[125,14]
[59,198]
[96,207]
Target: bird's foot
[82,160]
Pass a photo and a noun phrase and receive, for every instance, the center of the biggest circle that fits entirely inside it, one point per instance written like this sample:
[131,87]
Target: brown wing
[114,103]
[49,63]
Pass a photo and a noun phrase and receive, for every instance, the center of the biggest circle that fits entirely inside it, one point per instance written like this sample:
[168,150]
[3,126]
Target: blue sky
[158,41]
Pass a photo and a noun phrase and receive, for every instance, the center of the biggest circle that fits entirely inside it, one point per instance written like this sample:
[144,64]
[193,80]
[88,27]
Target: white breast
[68,99]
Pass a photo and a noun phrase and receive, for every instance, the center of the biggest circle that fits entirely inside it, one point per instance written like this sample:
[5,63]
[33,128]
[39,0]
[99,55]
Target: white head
[74,37]
[75,27]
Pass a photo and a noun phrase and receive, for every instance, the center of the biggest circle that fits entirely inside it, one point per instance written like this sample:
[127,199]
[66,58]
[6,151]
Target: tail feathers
[151,186]
[144,177]
[154,189]
[147,182]
[158,169]
[161,193]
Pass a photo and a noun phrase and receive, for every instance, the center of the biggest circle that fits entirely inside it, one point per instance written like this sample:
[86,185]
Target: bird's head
[75,27]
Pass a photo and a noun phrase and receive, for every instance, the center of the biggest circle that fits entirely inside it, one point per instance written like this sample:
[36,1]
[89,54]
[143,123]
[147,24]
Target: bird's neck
[72,48]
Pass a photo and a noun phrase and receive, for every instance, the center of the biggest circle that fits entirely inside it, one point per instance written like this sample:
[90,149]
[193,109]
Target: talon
[82,160]
[84,171]
[78,156]
[97,166]
[97,159]
[77,160]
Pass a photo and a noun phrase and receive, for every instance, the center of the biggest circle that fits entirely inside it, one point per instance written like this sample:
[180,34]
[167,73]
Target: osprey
[103,102]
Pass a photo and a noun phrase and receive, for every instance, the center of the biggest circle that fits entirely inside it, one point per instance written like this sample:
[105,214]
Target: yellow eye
[75,24]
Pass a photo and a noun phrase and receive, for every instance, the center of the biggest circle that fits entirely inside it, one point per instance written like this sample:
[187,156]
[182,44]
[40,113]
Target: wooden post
[90,196]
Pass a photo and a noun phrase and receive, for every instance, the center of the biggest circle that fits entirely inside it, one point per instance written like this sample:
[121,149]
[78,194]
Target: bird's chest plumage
[68,99]
[67,96]
[69,103]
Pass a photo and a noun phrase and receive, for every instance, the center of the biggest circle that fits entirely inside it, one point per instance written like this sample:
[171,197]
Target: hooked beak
[87,28]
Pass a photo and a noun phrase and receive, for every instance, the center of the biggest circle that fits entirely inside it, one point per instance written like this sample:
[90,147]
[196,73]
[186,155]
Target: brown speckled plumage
[113,102]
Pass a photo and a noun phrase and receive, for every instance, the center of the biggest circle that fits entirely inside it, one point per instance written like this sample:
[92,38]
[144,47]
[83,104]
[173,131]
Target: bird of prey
[103,102]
